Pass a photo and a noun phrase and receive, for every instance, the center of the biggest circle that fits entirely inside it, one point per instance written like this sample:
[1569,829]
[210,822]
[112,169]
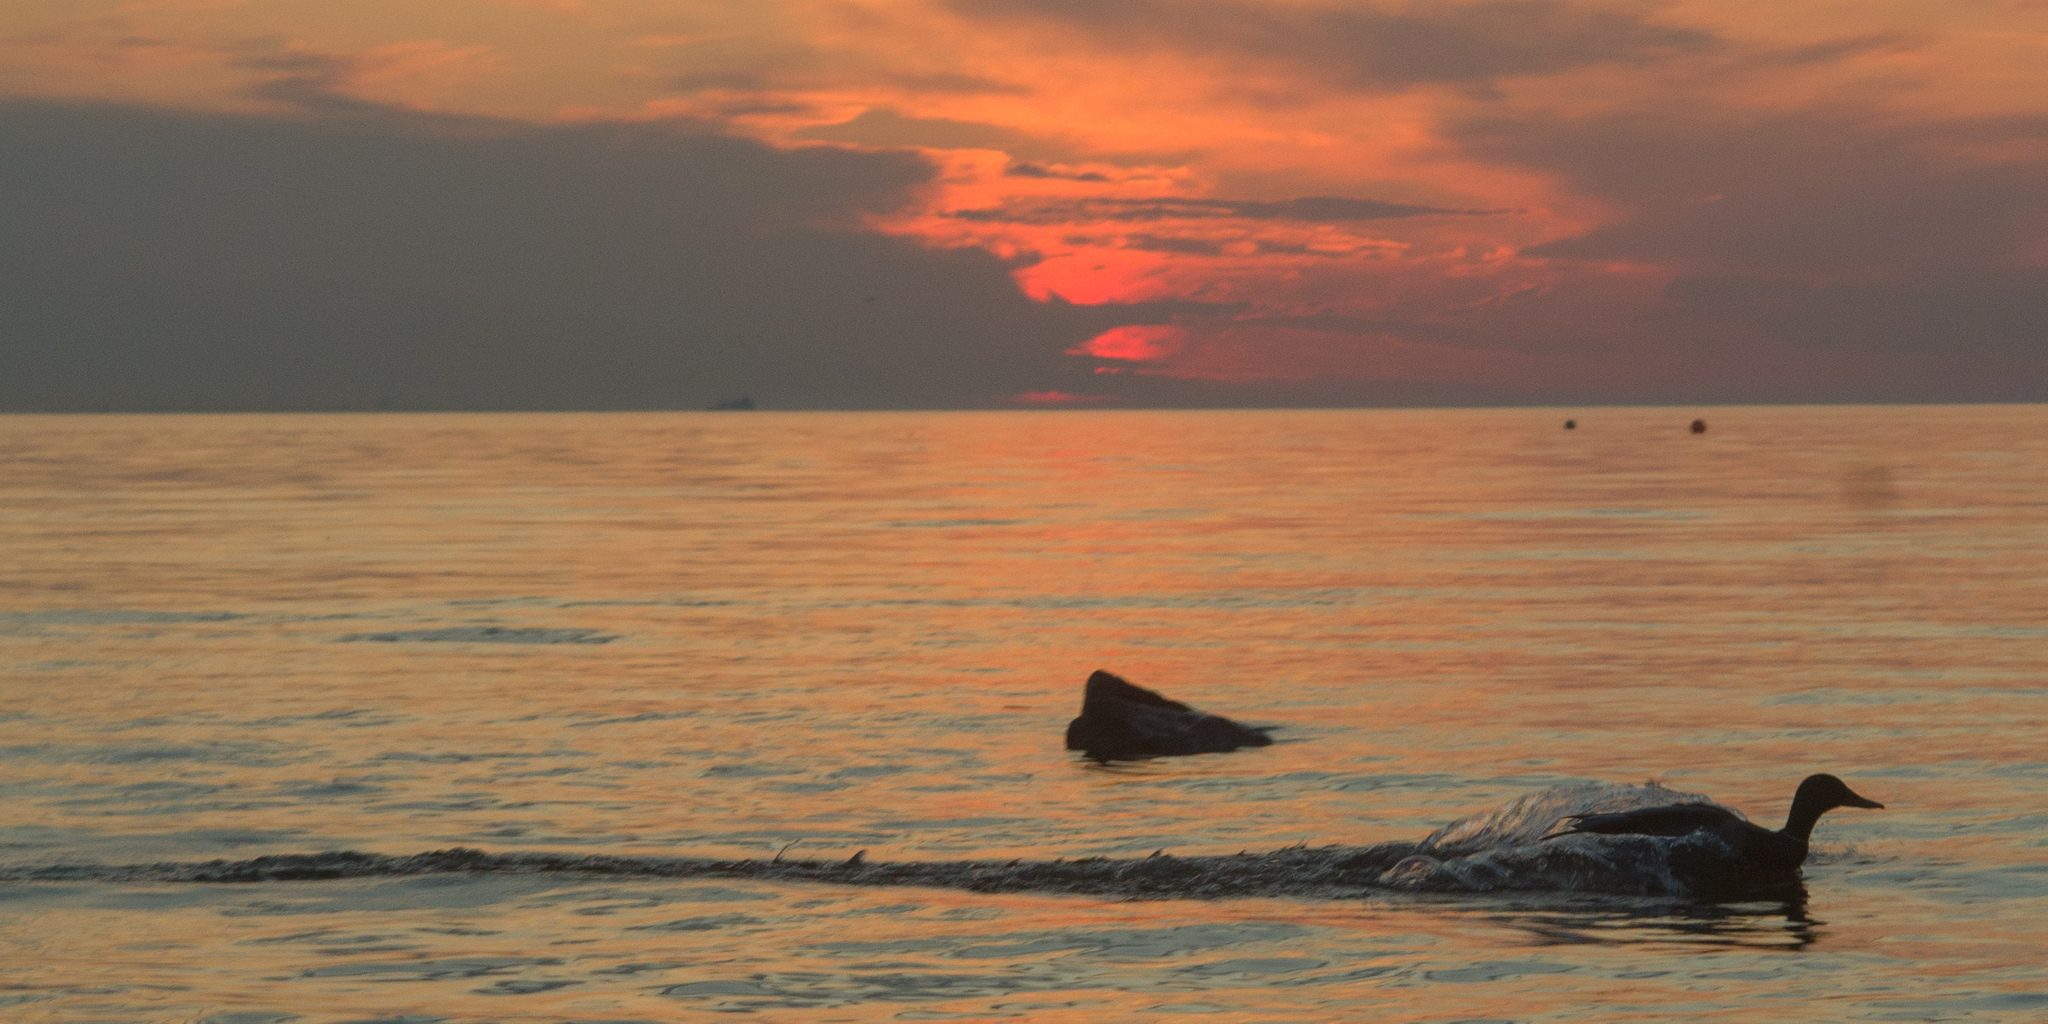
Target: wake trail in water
[1329,871]
[1501,850]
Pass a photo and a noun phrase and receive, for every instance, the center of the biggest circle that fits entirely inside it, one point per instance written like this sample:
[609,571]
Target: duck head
[1818,795]
[1829,792]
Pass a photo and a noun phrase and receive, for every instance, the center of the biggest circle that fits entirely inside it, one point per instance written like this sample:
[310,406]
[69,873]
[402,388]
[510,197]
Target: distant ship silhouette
[740,404]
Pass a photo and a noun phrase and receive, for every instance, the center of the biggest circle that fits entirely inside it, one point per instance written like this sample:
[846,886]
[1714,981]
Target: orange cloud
[1368,187]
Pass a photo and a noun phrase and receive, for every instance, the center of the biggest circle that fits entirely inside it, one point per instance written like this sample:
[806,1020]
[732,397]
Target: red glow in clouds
[1135,342]
[1058,398]
[1337,201]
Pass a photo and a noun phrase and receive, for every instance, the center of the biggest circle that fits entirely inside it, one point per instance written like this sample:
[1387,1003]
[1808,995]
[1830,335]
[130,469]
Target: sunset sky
[1002,203]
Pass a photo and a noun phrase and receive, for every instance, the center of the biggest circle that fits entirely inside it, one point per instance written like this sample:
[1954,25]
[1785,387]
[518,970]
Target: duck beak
[1854,800]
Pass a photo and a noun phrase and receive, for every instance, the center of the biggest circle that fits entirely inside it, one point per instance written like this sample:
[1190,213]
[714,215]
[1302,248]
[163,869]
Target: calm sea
[716,635]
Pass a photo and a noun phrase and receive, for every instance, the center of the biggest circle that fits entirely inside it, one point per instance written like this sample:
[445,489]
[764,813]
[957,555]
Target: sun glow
[1295,179]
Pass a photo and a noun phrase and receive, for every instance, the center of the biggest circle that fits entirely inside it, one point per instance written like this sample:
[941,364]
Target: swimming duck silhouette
[1754,853]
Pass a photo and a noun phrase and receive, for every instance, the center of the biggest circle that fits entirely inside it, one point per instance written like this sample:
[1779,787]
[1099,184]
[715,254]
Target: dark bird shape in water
[1756,854]
[1120,721]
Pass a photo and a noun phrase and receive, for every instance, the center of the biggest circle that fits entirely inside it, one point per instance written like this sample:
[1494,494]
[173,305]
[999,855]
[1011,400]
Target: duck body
[1747,842]
[1721,851]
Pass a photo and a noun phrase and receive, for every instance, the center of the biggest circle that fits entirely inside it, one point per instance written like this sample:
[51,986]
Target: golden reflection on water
[867,631]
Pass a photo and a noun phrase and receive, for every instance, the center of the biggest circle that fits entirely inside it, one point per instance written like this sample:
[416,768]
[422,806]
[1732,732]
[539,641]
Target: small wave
[486,635]
[113,617]
[1503,850]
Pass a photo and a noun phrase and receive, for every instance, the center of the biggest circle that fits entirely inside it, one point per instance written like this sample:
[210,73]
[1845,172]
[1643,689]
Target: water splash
[1506,849]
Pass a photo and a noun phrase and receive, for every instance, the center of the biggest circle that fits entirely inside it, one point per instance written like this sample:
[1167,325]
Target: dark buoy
[1571,424]
[1699,426]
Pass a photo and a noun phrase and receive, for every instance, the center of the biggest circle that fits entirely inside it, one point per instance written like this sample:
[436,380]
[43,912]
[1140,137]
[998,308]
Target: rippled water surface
[717,635]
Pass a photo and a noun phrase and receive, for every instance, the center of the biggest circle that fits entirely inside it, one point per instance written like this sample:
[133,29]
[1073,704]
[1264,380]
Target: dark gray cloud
[1309,209]
[1836,230]
[880,126]
[2003,315]
[958,84]
[884,127]
[1833,51]
[1368,46]
[305,80]
[1576,318]
[1827,192]
[1027,170]
[156,260]
[1209,246]
[1164,243]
